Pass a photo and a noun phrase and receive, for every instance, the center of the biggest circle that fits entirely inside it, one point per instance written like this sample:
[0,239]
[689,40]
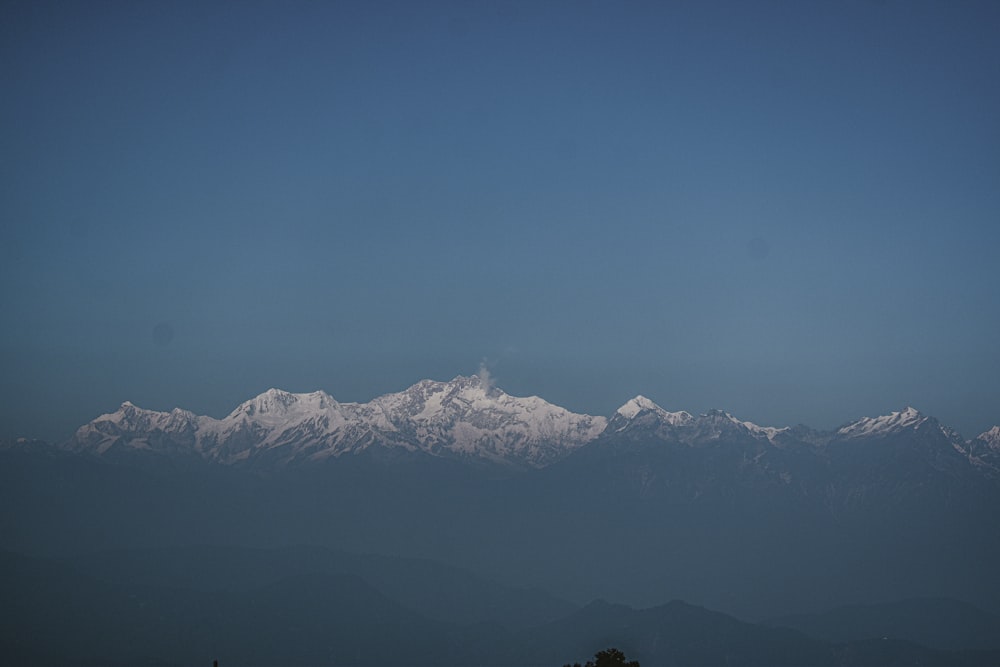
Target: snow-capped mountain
[642,414]
[916,432]
[990,439]
[718,424]
[984,451]
[883,425]
[463,418]
[640,404]
[905,439]
[133,428]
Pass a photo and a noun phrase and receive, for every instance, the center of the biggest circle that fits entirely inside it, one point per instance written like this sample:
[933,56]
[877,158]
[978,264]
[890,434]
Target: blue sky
[788,210]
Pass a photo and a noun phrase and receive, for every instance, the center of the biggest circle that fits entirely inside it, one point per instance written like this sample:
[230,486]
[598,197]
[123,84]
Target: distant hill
[675,634]
[936,622]
[52,614]
[440,592]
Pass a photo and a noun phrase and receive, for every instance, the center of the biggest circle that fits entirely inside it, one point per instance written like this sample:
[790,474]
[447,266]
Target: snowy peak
[894,422]
[271,402]
[276,411]
[715,424]
[984,451]
[721,416]
[637,405]
[468,417]
[430,398]
[991,438]
[134,428]
[641,404]
[640,412]
[130,417]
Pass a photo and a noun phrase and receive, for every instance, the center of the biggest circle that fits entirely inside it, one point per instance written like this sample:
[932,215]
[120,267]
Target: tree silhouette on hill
[610,657]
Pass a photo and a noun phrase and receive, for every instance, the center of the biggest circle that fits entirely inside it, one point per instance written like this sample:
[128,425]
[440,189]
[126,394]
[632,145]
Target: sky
[787,210]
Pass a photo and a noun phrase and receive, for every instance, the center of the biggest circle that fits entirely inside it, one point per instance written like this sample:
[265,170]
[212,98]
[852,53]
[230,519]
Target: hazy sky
[787,210]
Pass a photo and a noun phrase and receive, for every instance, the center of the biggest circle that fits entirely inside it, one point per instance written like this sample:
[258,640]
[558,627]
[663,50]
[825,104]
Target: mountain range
[470,420]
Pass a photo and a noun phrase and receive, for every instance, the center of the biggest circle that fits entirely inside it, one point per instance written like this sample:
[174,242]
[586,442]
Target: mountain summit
[879,426]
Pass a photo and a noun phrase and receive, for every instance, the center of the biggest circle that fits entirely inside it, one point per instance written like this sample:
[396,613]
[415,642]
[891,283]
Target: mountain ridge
[466,418]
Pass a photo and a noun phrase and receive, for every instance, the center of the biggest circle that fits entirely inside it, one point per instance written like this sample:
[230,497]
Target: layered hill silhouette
[439,592]
[54,613]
